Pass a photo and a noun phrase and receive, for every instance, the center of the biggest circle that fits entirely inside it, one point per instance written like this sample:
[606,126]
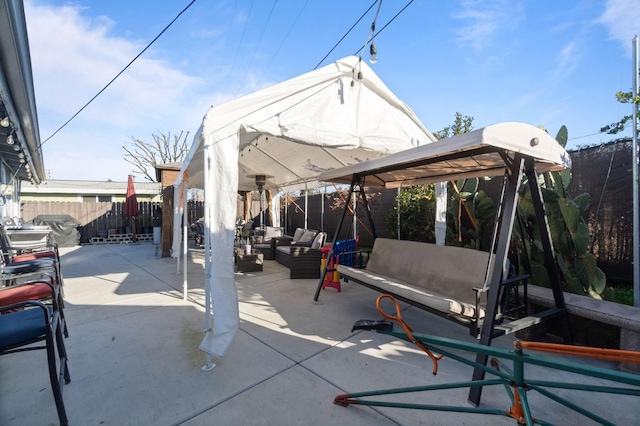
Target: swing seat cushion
[441,278]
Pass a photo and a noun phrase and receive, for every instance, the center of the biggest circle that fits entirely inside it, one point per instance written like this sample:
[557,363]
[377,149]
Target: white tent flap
[221,168]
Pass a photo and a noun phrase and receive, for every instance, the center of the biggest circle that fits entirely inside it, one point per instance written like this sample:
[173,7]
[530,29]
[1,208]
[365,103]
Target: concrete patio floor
[134,357]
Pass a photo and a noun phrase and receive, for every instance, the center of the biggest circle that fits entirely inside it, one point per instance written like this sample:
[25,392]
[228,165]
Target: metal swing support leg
[549,253]
[510,202]
[520,166]
[357,181]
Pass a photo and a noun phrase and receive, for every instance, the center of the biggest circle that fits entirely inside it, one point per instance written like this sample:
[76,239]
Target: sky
[542,62]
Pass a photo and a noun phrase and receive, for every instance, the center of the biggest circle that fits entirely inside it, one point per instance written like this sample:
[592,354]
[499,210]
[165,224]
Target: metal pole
[323,198]
[185,241]
[636,230]
[306,205]
[398,204]
[355,218]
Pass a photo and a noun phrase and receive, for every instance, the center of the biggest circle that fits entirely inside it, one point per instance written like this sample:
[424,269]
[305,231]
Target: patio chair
[40,265]
[301,257]
[24,321]
[11,255]
[266,243]
[246,230]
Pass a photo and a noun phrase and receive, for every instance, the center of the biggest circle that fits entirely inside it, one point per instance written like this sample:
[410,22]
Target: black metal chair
[24,322]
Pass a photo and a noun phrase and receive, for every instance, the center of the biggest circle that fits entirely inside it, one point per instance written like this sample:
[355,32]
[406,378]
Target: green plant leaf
[582,201]
[540,275]
[581,239]
[569,211]
[562,136]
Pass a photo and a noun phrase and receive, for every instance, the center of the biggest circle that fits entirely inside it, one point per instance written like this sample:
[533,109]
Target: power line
[346,34]
[386,25]
[281,43]
[120,73]
[235,58]
[246,70]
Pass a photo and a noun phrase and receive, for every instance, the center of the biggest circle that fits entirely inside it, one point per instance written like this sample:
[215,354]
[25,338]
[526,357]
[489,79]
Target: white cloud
[622,20]
[82,57]
[485,19]
[73,57]
[567,60]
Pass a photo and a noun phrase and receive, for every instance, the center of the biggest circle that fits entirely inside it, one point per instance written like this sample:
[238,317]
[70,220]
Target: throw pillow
[318,241]
[298,234]
[271,232]
[306,239]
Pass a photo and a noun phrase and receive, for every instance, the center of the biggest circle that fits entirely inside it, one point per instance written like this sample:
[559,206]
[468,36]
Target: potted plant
[148,229]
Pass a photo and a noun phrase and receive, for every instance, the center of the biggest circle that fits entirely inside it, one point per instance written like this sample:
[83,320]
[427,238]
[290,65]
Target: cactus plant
[569,232]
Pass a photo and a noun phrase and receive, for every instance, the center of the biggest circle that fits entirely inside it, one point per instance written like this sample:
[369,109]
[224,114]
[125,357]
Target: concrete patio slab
[134,357]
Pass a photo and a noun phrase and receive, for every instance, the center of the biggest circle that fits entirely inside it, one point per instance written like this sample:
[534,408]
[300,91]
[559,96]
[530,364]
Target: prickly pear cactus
[569,232]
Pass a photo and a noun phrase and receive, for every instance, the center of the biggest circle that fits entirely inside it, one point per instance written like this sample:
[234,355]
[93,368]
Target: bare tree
[145,156]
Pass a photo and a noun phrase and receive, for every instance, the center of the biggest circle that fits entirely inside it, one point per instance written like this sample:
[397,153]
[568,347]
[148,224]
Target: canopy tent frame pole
[207,255]
[517,168]
[399,190]
[324,197]
[636,213]
[306,205]
[185,241]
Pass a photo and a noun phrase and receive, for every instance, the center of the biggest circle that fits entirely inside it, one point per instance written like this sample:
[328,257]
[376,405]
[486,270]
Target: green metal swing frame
[511,378]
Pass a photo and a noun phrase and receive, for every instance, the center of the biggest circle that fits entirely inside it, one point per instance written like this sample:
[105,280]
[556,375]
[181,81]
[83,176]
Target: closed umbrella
[131,205]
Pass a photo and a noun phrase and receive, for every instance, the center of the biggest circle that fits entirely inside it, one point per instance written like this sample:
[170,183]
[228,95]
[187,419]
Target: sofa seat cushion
[284,249]
[455,271]
[427,297]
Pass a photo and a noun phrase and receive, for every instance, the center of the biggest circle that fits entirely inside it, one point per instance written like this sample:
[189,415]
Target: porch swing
[515,150]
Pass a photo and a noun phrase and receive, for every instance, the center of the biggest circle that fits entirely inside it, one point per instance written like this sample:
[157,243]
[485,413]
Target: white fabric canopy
[332,117]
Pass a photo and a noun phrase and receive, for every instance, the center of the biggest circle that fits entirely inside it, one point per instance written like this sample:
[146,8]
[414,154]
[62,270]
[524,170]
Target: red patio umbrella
[131,205]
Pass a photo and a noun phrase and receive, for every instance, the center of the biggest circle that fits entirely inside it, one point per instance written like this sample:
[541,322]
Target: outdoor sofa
[301,253]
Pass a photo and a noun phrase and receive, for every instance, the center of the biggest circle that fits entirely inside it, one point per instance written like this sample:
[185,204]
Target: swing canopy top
[488,151]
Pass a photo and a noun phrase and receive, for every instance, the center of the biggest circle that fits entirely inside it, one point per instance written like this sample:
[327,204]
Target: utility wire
[235,58]
[346,34]
[281,43]
[120,73]
[385,25]
[246,70]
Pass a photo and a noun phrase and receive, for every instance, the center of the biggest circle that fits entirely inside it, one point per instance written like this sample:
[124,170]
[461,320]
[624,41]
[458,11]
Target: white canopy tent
[335,116]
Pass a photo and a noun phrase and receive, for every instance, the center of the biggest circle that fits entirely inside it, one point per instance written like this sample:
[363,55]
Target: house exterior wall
[30,196]
[88,191]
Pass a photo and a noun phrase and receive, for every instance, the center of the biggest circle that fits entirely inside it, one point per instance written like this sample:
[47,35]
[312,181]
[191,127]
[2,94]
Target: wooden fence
[96,217]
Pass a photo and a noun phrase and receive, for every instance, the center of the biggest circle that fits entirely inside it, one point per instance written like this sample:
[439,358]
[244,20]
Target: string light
[373,51]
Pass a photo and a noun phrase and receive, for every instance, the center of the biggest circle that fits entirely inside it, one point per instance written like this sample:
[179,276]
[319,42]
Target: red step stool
[332,277]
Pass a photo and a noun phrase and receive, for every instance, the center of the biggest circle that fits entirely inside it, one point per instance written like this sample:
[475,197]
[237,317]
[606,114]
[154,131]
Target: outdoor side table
[249,262]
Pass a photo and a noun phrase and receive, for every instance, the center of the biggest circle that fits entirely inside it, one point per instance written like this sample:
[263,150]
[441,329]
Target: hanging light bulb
[373,51]
[4,122]
[10,140]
